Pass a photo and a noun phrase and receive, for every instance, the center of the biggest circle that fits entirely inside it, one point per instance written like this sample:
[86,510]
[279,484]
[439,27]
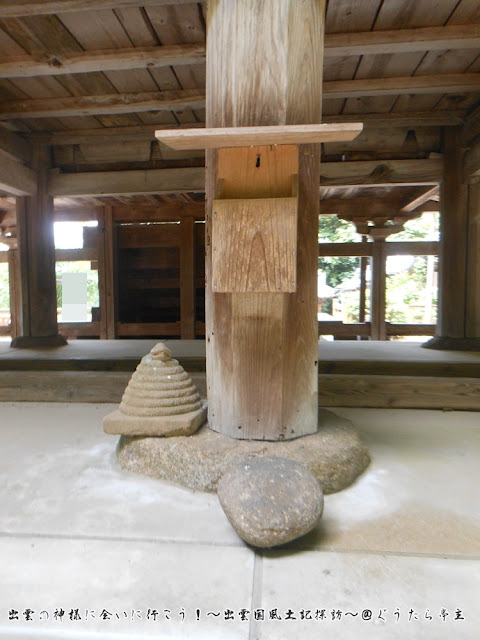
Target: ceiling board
[467,11]
[395,14]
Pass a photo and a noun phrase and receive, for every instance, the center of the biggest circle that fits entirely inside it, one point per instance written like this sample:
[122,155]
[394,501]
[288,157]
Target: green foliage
[426,227]
[332,229]
[405,291]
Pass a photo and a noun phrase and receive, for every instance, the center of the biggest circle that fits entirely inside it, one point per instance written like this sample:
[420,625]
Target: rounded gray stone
[270,501]
[335,455]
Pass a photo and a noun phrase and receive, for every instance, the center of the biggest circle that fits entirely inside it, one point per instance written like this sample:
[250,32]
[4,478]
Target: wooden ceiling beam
[345,206]
[103,60]
[192,179]
[373,173]
[19,8]
[117,103]
[417,203]
[111,183]
[412,120]
[15,178]
[336,45]
[195,99]
[402,40]
[15,146]
[444,83]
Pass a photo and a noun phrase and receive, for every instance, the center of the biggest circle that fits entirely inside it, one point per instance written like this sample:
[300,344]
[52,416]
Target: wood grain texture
[244,136]
[37,255]
[415,119]
[103,60]
[262,348]
[15,178]
[461,36]
[126,182]
[453,241]
[18,8]
[114,103]
[400,392]
[374,172]
[255,245]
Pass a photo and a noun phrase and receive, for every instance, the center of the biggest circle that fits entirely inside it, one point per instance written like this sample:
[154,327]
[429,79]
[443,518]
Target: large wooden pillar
[458,324]
[264,67]
[36,248]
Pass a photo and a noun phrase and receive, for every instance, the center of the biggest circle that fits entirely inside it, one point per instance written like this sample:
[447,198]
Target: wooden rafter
[336,45]
[105,104]
[402,40]
[444,83]
[421,200]
[193,98]
[412,119]
[19,8]
[103,60]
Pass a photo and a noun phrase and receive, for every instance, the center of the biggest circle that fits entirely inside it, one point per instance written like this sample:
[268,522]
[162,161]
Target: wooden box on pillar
[254,227]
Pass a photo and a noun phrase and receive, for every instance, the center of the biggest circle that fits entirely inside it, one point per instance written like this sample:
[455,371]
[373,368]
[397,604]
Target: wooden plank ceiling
[95,79]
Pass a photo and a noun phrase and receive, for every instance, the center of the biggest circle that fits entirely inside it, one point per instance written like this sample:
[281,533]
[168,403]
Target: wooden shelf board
[184,139]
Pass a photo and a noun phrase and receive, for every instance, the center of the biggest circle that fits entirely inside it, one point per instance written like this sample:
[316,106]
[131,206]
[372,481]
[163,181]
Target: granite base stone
[334,455]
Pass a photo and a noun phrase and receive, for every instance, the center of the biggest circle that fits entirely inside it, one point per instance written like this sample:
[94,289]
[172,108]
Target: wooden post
[264,67]
[15,297]
[378,290]
[458,324]
[472,312]
[363,285]
[106,274]
[37,262]
[187,278]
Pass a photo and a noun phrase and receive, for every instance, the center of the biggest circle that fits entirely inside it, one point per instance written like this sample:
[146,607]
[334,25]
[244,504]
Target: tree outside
[411,294]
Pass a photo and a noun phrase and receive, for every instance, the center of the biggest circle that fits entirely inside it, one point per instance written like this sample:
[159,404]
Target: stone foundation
[335,455]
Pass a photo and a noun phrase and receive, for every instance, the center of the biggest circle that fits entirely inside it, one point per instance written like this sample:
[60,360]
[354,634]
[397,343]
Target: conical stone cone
[160,399]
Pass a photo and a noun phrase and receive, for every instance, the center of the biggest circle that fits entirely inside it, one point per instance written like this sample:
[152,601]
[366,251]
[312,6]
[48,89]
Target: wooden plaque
[254,245]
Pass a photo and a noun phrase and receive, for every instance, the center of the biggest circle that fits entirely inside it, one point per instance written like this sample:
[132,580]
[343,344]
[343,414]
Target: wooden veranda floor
[363,374]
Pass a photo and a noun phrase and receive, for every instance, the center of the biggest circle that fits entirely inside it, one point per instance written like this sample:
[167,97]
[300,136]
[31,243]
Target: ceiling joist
[372,173]
[19,8]
[195,99]
[402,40]
[420,201]
[111,183]
[336,45]
[342,174]
[102,60]
[116,103]
[412,119]
[444,83]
